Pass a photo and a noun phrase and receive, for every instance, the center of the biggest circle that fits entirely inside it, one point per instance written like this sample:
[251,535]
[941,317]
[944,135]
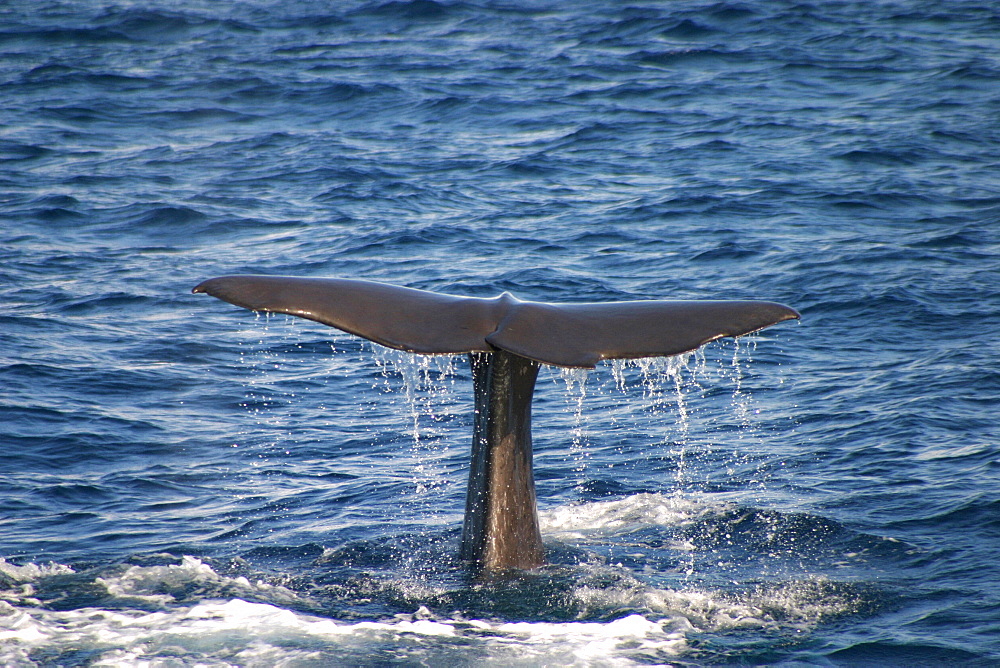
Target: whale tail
[506,339]
[567,335]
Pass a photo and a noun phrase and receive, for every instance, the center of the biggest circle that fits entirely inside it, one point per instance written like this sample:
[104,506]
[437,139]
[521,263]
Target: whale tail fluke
[568,335]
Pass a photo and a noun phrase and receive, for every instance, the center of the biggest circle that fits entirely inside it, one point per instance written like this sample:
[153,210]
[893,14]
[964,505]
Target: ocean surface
[183,482]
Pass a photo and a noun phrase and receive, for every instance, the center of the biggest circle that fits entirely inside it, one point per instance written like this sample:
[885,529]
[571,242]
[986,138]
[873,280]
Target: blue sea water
[186,483]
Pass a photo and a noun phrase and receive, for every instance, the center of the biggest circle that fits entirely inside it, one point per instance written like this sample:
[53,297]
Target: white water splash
[148,584]
[236,632]
[607,519]
[796,605]
[248,623]
[20,588]
[30,572]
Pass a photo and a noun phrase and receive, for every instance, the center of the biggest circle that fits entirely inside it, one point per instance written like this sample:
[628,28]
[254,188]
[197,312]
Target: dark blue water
[183,483]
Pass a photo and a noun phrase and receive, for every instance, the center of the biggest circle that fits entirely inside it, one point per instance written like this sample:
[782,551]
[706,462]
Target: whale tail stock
[506,339]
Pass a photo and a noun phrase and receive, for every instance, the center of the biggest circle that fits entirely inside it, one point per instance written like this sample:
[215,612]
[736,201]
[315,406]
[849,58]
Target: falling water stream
[431,398]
